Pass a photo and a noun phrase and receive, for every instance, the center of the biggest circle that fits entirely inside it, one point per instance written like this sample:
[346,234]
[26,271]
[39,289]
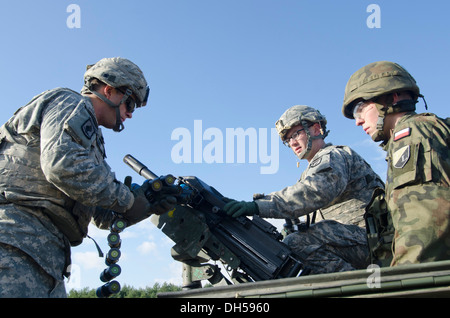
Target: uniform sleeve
[72,157]
[417,189]
[324,180]
[419,153]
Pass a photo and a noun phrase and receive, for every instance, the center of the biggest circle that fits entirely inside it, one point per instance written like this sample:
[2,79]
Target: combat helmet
[305,116]
[374,80]
[118,72]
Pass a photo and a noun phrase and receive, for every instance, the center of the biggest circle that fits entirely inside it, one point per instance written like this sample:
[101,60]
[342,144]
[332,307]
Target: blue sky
[226,65]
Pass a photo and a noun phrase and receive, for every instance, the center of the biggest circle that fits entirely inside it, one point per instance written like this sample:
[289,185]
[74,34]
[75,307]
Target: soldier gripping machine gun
[251,249]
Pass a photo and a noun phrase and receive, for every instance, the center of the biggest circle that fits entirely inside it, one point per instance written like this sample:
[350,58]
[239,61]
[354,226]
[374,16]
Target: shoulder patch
[401,156]
[88,128]
[402,133]
[315,162]
[81,126]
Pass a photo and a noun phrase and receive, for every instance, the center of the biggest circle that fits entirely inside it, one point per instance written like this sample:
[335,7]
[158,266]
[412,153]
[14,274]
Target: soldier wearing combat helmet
[54,178]
[381,97]
[335,188]
[118,73]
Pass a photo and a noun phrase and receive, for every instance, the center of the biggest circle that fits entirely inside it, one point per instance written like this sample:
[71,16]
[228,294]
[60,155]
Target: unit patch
[401,156]
[315,162]
[402,133]
[88,128]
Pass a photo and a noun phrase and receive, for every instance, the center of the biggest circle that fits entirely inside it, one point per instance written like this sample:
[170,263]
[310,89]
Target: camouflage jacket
[52,160]
[337,181]
[417,188]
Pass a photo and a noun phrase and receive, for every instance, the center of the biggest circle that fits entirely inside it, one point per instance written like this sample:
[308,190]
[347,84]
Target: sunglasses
[130,103]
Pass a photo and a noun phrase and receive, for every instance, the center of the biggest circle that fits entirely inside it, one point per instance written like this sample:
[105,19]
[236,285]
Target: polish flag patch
[402,133]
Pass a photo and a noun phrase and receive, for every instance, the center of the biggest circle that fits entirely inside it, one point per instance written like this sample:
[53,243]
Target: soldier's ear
[315,130]
[107,91]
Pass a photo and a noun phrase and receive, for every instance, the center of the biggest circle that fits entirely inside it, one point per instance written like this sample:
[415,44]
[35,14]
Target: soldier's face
[112,118]
[366,117]
[108,116]
[297,139]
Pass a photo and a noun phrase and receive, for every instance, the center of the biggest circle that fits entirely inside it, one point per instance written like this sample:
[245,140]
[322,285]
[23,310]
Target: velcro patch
[315,162]
[402,133]
[88,128]
[401,156]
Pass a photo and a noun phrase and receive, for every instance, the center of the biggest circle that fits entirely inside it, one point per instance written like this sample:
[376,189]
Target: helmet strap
[424,101]
[309,140]
[407,105]
[119,125]
[379,134]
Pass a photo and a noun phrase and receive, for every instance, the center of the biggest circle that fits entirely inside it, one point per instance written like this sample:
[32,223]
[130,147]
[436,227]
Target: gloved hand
[141,208]
[163,205]
[163,200]
[238,208]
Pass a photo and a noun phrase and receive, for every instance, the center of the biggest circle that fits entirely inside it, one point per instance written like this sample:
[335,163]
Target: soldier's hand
[164,198]
[141,208]
[163,205]
[238,208]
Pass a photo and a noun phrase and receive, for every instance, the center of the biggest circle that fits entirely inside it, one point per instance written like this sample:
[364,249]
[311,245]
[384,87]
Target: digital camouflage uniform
[52,177]
[50,149]
[417,198]
[338,184]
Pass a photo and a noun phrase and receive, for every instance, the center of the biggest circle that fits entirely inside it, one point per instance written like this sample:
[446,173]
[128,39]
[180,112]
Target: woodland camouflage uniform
[418,155]
[417,189]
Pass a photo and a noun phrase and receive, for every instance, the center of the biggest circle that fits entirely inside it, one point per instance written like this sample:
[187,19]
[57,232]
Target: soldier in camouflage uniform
[381,97]
[54,179]
[337,185]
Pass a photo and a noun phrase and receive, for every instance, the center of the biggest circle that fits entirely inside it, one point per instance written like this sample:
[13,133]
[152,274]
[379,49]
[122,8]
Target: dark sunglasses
[130,103]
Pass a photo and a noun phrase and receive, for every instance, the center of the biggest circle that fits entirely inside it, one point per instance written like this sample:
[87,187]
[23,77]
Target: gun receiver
[199,226]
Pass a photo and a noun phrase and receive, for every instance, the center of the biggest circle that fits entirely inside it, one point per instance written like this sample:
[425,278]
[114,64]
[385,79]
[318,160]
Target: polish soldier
[382,98]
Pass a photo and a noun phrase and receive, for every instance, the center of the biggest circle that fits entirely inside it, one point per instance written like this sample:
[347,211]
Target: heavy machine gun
[251,249]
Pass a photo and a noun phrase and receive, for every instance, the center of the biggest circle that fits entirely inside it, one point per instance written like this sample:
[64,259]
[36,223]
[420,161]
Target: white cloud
[146,247]
[88,260]
[175,270]
[97,233]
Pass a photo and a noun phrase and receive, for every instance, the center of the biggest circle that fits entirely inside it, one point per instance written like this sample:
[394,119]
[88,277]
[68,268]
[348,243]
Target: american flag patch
[402,133]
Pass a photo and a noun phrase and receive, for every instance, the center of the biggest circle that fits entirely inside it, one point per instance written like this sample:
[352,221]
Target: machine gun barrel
[139,167]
